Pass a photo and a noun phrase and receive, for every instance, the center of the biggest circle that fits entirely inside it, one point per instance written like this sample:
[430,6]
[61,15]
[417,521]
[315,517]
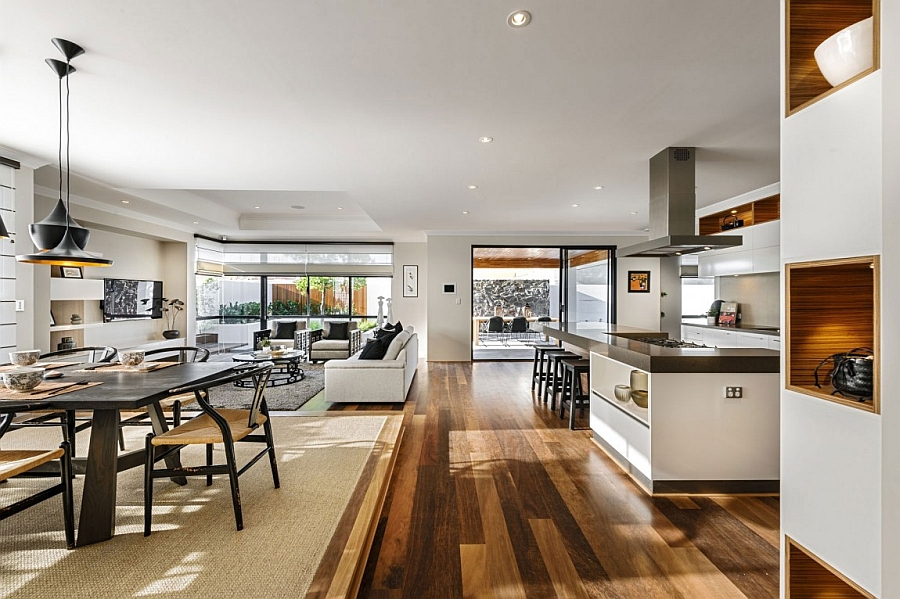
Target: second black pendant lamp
[59,239]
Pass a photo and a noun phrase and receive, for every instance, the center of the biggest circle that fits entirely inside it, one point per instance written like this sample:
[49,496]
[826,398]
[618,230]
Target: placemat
[44,365]
[46,389]
[144,368]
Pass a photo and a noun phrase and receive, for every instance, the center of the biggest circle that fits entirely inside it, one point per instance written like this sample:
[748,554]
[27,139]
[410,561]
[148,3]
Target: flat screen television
[130,299]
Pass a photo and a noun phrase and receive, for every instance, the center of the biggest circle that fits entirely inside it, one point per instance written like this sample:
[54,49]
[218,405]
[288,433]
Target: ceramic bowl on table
[623,392]
[131,357]
[22,379]
[24,358]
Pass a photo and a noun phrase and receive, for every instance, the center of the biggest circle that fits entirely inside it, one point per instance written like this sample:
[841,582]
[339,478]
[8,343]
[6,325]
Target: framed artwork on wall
[410,280]
[638,281]
[71,272]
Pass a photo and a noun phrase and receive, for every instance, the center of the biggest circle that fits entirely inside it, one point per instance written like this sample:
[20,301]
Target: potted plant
[264,345]
[712,317]
[170,310]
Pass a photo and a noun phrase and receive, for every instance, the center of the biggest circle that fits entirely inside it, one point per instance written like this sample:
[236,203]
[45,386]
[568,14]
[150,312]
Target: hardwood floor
[493,496]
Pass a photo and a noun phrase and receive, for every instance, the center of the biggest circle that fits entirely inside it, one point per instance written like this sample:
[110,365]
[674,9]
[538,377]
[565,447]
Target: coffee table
[286,371]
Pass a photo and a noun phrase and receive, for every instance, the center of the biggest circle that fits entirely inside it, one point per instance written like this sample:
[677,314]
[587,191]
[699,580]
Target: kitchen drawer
[775,343]
[692,334]
[752,340]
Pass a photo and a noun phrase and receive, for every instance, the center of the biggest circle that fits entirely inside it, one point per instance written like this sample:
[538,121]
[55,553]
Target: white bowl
[847,53]
[22,379]
[24,358]
[131,357]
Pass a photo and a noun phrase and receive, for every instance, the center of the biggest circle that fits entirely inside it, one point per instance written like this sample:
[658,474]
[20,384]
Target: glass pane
[696,296]
[208,292]
[227,312]
[588,293]
[287,296]
[329,295]
[366,291]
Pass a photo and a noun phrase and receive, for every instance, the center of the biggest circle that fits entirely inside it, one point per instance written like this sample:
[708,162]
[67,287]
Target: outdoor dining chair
[16,462]
[215,426]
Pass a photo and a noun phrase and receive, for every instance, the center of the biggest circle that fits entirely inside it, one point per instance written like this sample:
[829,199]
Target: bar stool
[537,371]
[554,375]
[573,391]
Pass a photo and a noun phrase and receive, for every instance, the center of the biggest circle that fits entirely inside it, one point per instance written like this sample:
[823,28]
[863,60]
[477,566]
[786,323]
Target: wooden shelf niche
[752,213]
[809,577]
[809,23]
[832,306]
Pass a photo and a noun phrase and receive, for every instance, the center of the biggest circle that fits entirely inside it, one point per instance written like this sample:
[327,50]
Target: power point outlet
[20,305]
[734,392]
[459,301]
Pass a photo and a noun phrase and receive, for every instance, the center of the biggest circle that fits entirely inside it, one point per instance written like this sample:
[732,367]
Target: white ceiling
[202,110]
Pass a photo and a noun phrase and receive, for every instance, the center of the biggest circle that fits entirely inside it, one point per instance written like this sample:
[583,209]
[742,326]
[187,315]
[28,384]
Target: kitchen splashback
[759,297]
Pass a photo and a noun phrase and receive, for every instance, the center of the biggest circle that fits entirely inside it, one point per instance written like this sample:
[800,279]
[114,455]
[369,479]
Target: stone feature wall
[512,295]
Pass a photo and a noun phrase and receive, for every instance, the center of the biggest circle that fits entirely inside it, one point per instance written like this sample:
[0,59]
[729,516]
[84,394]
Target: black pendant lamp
[59,238]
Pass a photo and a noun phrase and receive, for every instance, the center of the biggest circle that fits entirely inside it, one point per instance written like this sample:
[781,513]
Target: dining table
[119,391]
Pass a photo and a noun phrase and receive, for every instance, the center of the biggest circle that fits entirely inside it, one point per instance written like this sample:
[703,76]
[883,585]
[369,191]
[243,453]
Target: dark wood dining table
[119,391]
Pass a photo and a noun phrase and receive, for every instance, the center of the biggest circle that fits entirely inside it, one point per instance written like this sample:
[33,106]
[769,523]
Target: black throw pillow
[388,330]
[374,350]
[284,329]
[336,330]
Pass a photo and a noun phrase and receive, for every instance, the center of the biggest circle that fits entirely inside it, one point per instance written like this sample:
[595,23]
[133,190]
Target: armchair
[316,347]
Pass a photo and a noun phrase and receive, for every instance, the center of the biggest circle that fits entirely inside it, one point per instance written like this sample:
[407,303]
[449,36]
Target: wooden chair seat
[202,429]
[15,462]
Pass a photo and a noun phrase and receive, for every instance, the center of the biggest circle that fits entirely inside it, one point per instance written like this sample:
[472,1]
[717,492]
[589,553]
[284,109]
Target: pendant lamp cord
[59,146]
[68,165]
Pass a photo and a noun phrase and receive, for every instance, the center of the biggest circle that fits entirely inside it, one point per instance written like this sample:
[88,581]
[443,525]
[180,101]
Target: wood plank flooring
[493,496]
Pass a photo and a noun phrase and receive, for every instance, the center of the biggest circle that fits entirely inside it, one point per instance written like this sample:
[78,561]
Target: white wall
[450,261]
[890,320]
[640,310]
[831,206]
[412,310]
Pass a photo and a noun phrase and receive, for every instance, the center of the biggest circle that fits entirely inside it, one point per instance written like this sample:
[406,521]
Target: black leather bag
[851,373]
[731,222]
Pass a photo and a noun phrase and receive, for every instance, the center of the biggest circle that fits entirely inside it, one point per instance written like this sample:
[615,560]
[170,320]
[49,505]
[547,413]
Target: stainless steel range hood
[673,210]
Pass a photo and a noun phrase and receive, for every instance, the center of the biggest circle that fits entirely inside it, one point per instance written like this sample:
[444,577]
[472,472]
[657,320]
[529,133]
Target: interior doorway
[515,289]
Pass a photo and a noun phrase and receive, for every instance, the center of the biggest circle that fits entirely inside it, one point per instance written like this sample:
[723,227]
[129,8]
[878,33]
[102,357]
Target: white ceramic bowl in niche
[24,358]
[22,379]
[131,357]
[847,53]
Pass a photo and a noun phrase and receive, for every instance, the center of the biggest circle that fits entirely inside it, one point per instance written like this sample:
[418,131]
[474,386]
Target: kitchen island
[692,438]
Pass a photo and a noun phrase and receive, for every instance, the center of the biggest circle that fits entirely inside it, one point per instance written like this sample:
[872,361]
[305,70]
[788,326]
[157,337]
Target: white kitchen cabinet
[775,343]
[692,334]
[721,337]
[752,340]
[760,252]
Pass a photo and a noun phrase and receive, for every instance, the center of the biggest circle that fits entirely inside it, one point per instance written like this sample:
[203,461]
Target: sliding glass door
[588,285]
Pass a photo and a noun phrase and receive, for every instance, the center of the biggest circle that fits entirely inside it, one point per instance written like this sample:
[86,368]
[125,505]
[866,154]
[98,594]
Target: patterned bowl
[24,358]
[131,357]
[22,379]
[623,392]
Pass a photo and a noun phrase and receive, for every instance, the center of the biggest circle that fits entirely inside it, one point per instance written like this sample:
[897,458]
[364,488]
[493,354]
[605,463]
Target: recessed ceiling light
[465,211]
[257,207]
[473,187]
[634,211]
[340,207]
[519,18]
[734,211]
[677,253]
[298,207]
[196,222]
[125,202]
[647,229]
[707,248]
[485,139]
[598,187]
[574,205]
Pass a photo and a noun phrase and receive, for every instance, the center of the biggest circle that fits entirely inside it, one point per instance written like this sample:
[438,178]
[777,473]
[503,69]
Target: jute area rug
[280,398]
[195,550]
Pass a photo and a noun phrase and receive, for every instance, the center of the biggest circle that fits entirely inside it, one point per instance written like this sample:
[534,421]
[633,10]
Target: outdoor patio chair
[215,425]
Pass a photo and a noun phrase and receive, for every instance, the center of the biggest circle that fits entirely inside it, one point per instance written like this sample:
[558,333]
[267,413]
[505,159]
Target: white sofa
[375,381]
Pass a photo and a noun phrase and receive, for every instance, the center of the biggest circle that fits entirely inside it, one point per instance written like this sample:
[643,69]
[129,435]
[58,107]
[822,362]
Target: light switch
[458,301]
[20,305]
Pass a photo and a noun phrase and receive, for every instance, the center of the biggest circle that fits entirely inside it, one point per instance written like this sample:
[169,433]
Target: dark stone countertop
[613,341]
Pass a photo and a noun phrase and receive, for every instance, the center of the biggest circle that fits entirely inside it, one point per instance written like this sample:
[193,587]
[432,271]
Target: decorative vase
[172,334]
[711,320]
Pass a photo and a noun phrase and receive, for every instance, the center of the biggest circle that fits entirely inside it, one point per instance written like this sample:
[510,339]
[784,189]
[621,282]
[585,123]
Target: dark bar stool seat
[573,392]
[553,383]
[537,371]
